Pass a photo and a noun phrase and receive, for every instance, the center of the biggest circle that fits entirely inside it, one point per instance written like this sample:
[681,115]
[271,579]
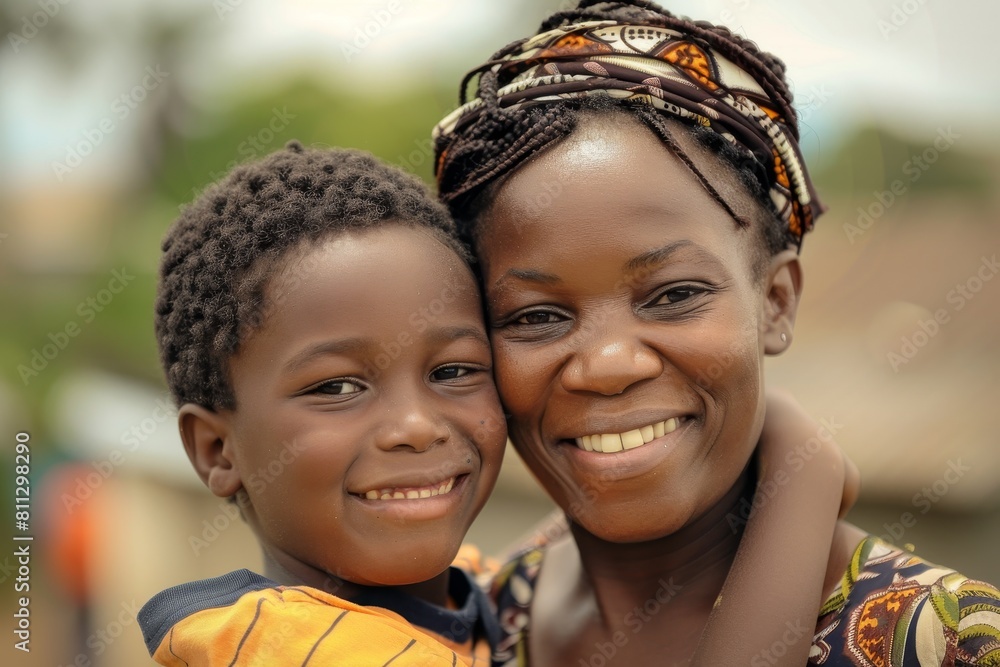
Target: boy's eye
[449,373]
[338,388]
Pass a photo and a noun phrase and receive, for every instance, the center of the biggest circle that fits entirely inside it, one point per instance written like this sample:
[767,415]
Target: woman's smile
[609,315]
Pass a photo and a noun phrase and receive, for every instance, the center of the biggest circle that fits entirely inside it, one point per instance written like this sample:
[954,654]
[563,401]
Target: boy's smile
[374,368]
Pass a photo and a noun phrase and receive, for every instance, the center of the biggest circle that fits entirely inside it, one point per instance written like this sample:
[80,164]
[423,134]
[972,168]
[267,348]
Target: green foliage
[396,128]
[871,158]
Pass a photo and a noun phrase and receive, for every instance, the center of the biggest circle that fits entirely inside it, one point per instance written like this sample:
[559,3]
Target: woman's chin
[631,529]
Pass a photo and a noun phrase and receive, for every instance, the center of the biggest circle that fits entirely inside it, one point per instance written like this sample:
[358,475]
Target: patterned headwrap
[676,74]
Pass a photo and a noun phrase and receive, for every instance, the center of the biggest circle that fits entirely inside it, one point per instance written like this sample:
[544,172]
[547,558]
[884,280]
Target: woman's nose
[609,363]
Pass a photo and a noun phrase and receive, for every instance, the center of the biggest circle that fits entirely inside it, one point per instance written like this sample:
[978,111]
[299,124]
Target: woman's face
[627,316]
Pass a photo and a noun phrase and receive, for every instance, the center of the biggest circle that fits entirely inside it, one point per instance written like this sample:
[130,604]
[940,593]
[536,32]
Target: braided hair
[473,163]
[220,254]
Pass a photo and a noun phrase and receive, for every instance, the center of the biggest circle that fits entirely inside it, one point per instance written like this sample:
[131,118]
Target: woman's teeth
[616,442]
[410,493]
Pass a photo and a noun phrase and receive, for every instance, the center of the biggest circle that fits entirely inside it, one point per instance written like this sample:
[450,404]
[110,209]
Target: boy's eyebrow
[456,332]
[323,348]
[348,345]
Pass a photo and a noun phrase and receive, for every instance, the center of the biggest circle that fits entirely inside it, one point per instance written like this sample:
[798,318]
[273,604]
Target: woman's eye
[449,373]
[338,388]
[537,317]
[677,294]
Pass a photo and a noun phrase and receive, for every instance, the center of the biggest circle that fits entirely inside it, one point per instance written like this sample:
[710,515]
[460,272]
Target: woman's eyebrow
[529,275]
[659,256]
[656,256]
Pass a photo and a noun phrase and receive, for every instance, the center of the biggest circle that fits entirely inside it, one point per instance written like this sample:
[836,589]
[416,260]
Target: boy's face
[368,433]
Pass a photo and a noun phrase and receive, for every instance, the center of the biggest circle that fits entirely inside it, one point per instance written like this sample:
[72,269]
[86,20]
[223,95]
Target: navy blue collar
[473,618]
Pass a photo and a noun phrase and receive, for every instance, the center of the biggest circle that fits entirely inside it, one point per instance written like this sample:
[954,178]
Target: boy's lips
[428,504]
[410,492]
[412,487]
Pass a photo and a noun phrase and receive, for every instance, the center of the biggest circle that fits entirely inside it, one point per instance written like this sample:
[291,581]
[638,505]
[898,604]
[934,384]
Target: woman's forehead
[613,159]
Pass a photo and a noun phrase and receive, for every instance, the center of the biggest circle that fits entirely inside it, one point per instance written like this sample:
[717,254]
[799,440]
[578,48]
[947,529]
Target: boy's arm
[774,590]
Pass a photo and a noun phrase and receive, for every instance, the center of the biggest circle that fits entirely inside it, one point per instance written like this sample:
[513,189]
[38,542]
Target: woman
[632,187]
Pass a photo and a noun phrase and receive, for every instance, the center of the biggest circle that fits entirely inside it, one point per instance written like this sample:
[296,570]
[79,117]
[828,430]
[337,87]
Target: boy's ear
[206,440]
[781,303]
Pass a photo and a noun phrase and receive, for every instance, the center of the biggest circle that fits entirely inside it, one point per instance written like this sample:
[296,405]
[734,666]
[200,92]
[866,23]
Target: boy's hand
[787,426]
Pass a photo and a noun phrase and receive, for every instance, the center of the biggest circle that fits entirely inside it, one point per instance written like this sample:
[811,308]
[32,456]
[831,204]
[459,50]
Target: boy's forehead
[372,270]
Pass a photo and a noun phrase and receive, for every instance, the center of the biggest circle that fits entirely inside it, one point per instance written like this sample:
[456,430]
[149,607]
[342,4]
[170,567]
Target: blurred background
[114,114]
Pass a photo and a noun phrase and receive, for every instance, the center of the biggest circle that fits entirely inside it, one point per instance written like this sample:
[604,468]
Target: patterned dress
[893,609]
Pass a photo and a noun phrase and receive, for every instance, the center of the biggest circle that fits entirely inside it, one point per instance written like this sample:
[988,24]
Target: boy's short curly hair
[223,249]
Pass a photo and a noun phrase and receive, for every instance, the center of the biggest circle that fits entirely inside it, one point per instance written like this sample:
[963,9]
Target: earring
[784,338]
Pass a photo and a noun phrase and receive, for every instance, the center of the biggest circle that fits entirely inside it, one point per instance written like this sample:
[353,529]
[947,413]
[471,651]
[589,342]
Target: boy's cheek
[492,429]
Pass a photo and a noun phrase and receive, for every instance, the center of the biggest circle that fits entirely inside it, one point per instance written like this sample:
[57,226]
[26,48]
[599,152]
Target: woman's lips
[609,443]
[621,463]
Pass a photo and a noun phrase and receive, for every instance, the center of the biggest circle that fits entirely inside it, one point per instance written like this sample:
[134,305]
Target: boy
[315,310]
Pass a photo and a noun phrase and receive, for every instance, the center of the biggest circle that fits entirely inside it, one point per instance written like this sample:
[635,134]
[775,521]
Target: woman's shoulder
[895,608]
[512,591]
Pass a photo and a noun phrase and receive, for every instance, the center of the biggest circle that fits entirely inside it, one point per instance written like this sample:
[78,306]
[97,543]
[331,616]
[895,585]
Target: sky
[920,65]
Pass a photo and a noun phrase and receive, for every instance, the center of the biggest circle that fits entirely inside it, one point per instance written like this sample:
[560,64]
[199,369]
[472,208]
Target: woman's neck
[692,563]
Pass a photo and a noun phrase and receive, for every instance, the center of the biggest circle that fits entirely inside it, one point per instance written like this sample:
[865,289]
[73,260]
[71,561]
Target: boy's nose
[412,423]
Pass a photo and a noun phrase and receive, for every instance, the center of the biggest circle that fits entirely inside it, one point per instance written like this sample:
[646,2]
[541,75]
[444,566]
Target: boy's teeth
[616,442]
[410,494]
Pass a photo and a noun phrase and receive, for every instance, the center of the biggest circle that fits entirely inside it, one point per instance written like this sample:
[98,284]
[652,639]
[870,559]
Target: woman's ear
[206,436]
[781,304]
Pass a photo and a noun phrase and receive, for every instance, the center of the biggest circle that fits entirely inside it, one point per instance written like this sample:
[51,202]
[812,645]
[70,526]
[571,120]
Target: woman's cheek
[519,388]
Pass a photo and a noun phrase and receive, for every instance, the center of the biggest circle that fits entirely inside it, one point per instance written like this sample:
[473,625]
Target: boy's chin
[409,571]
